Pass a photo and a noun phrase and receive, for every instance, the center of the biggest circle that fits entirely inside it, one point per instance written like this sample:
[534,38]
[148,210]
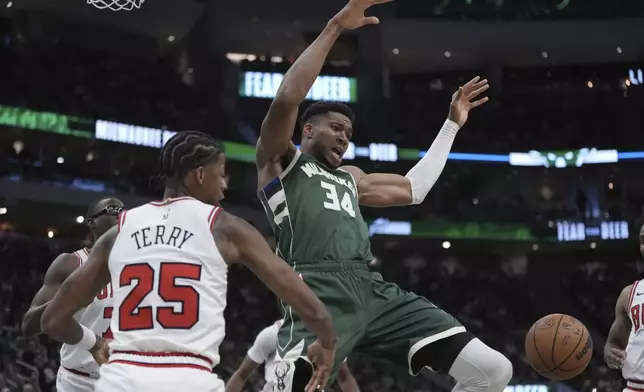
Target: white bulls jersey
[170,286]
[97,317]
[263,351]
[633,369]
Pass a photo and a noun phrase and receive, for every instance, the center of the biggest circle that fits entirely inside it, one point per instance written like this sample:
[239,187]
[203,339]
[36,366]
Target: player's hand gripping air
[322,359]
[352,15]
[463,100]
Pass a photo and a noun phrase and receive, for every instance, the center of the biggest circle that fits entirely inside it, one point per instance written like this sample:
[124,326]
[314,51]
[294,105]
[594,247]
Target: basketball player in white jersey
[78,370]
[168,263]
[263,351]
[625,343]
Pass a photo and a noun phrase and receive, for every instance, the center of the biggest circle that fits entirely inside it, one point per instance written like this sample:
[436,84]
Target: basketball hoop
[116,5]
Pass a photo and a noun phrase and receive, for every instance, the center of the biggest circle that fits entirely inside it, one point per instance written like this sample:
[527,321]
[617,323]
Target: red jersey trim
[213,216]
[170,200]
[164,355]
[120,220]
[77,372]
[630,297]
[78,258]
[162,365]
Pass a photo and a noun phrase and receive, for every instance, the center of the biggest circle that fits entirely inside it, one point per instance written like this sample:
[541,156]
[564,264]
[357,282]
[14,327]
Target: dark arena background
[537,211]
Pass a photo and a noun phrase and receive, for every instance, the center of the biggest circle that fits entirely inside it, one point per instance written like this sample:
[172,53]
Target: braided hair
[186,151]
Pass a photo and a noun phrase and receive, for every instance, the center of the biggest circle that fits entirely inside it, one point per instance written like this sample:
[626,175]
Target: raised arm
[278,126]
[77,291]
[614,350]
[386,190]
[56,274]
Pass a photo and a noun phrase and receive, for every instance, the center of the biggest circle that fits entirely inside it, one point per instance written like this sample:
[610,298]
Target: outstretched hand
[463,100]
[352,15]
[322,359]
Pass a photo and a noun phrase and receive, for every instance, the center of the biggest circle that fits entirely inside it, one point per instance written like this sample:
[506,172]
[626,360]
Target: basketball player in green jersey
[313,205]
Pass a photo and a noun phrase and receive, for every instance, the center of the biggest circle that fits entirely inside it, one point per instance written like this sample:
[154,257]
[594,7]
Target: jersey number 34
[134,317]
[334,203]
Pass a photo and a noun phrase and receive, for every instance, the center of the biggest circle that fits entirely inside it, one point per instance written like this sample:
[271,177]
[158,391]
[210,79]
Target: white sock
[478,368]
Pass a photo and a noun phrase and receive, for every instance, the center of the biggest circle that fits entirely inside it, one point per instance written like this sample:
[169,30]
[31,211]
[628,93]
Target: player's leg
[475,366]
[67,381]
[336,290]
[411,331]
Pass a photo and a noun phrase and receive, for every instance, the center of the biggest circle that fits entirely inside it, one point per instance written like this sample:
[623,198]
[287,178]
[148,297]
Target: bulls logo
[281,370]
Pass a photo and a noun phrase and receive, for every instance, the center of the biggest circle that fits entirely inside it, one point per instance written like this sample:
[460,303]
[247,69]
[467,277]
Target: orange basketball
[558,346]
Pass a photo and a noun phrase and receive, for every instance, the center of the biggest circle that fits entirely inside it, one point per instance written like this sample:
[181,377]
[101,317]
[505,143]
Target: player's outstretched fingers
[479,102]
[472,82]
[316,378]
[326,373]
[478,91]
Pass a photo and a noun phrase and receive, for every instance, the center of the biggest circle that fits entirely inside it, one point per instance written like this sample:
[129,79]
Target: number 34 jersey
[169,281]
[315,215]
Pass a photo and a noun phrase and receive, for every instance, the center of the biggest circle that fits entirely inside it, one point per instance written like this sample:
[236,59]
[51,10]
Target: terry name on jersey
[161,235]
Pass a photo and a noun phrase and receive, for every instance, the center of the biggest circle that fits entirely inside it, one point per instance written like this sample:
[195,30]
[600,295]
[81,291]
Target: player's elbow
[29,325]
[49,323]
[288,96]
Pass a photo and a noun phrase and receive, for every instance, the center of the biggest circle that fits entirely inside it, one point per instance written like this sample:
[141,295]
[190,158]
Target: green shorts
[371,316]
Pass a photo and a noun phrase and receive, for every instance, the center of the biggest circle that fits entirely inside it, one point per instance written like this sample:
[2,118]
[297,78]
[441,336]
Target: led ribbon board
[325,88]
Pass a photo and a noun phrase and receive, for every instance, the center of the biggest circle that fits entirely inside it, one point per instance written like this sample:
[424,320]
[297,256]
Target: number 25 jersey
[169,280]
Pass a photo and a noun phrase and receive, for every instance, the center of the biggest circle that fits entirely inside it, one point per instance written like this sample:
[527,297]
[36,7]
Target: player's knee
[500,372]
[496,369]
[479,368]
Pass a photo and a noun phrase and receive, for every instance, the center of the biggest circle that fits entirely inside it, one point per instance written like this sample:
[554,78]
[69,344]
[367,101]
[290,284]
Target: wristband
[88,340]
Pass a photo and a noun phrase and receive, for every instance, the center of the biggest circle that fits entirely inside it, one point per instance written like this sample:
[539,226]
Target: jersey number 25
[134,317]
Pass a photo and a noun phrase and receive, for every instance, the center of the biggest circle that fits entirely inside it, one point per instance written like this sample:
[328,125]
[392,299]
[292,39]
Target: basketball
[558,347]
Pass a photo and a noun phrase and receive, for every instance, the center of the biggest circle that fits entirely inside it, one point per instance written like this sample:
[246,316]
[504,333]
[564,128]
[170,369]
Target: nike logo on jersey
[637,294]
[160,234]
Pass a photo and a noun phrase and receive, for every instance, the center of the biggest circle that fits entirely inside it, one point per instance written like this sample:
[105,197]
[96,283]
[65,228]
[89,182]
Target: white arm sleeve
[265,344]
[425,173]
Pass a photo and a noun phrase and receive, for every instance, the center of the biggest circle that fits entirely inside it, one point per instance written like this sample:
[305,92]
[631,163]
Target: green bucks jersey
[315,215]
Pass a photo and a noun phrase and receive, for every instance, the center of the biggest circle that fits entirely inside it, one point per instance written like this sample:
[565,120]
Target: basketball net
[116,5]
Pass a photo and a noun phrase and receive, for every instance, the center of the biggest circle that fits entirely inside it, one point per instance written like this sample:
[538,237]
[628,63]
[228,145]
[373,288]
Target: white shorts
[67,381]
[135,376]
